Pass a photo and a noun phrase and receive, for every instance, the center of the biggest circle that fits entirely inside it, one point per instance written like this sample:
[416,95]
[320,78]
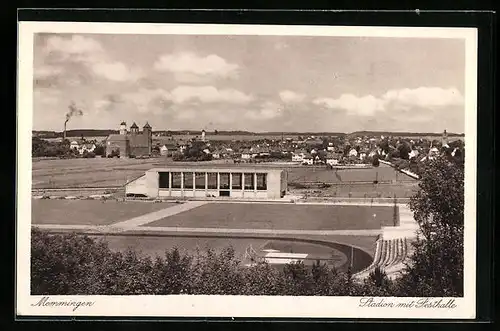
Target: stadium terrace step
[390,255]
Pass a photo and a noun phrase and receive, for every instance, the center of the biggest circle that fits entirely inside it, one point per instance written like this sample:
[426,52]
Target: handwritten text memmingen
[46,302]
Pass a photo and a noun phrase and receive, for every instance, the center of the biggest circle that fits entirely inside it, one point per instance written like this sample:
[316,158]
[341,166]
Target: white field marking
[362,232]
[148,229]
[281,261]
[270,250]
[157,215]
[374,204]
[63,226]
[74,227]
[286,255]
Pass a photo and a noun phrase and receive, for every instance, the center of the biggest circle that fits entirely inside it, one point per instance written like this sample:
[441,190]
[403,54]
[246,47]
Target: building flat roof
[215,168]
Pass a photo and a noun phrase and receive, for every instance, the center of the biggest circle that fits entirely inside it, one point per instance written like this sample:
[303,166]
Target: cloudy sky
[254,83]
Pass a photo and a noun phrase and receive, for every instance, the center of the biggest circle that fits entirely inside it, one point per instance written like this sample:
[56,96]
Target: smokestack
[73,111]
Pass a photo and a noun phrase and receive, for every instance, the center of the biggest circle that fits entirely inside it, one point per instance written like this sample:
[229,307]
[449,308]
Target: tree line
[45,148]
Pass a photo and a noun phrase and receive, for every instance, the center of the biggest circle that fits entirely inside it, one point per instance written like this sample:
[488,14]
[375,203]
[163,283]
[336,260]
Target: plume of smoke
[73,111]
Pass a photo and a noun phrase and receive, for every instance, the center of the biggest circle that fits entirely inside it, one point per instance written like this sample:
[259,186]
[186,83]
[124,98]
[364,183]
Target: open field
[89,212]
[278,216]
[383,173]
[366,191]
[98,172]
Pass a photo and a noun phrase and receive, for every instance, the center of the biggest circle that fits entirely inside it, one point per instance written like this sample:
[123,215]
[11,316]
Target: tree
[100,150]
[347,148]
[436,267]
[384,145]
[404,150]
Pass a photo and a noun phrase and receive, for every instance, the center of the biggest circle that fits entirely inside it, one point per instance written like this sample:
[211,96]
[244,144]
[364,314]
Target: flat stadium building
[213,181]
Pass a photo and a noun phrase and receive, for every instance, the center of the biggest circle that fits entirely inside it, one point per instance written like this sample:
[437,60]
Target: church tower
[123,128]
[134,129]
[147,130]
[444,140]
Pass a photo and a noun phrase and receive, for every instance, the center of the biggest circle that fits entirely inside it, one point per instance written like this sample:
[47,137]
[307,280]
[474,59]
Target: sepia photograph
[246,170]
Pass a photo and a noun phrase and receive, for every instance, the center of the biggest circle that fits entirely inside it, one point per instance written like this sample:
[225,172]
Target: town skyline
[249,83]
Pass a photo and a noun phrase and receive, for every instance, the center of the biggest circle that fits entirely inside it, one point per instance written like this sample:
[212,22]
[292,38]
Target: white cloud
[425,97]
[366,105]
[403,99]
[46,96]
[290,96]
[91,54]
[186,114]
[190,63]
[147,100]
[116,71]
[268,110]
[208,94]
[47,71]
[77,48]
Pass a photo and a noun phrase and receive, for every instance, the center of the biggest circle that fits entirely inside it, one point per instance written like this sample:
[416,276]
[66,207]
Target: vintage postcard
[184,170]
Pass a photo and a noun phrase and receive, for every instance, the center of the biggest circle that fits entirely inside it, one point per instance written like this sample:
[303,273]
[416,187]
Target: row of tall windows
[224,181]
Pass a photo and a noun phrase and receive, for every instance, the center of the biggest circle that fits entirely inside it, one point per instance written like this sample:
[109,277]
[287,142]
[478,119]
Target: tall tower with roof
[147,131]
[123,128]
[445,138]
[134,129]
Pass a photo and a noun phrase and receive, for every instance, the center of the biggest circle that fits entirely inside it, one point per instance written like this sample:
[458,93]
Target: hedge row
[72,264]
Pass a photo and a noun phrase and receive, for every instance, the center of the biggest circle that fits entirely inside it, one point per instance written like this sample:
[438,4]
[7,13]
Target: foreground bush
[78,265]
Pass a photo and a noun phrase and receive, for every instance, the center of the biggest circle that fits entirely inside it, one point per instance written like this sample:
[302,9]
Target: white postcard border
[233,306]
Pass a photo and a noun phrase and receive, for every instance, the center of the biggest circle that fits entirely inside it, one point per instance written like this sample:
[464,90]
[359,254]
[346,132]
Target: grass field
[89,212]
[277,216]
[98,172]
[402,190]
[322,174]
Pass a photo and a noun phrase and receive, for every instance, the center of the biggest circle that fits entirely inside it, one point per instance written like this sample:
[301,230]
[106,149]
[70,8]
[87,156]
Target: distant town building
[332,159]
[132,143]
[298,156]
[308,159]
[413,153]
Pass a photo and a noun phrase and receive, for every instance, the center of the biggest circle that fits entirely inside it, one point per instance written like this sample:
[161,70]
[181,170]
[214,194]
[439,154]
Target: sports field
[89,212]
[330,248]
[280,216]
[383,173]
